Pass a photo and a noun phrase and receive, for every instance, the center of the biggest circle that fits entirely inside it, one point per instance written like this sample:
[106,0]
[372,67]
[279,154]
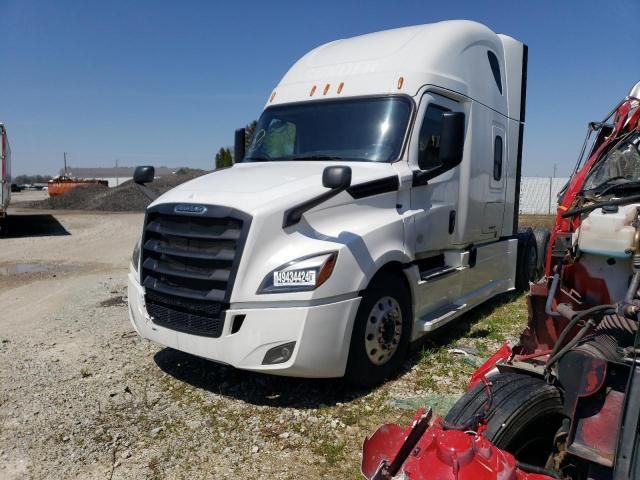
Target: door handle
[452,221]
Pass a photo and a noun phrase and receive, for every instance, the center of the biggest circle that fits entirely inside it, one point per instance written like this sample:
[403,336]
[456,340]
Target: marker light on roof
[313,90]
[340,87]
[400,82]
[273,95]
[326,89]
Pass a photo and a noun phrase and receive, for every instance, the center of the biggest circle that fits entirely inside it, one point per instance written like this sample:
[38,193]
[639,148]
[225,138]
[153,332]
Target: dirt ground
[82,396]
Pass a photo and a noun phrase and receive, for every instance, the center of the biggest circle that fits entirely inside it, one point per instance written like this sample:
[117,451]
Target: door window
[429,141]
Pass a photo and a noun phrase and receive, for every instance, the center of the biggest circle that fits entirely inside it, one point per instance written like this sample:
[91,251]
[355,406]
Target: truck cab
[376,203]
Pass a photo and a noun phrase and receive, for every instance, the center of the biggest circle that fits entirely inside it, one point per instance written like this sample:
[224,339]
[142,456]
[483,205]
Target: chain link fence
[539,195]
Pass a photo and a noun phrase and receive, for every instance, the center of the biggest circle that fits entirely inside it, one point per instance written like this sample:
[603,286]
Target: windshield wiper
[256,159]
[608,182]
[317,157]
[602,187]
[628,185]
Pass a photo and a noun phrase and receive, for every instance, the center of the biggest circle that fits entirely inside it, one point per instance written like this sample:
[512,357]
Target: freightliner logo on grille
[198,209]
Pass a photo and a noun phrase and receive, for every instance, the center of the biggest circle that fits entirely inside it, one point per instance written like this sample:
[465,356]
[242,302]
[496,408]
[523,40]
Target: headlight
[301,275]
[135,257]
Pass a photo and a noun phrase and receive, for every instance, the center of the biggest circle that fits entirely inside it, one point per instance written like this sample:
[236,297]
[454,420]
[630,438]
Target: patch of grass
[484,328]
[155,469]
[331,450]
[348,416]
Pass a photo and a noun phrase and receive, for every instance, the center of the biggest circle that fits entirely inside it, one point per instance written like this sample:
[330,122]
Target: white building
[115,176]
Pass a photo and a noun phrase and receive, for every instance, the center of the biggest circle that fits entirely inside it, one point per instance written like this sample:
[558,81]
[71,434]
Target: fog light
[279,354]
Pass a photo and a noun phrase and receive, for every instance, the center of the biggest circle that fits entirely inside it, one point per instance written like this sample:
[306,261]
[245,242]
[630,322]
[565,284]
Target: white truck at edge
[377,202]
[5,177]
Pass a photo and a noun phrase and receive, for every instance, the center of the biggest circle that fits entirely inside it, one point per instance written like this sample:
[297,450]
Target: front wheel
[524,414]
[381,332]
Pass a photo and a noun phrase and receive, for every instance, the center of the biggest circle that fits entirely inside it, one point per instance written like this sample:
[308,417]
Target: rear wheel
[380,337]
[542,241]
[524,416]
[527,266]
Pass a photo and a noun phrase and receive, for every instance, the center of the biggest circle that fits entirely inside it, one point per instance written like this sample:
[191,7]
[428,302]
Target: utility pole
[65,163]
[117,177]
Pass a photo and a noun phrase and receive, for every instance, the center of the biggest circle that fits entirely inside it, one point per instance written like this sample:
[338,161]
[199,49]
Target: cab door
[433,198]
[495,188]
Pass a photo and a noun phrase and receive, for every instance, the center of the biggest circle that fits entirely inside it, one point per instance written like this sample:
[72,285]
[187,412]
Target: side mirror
[238,146]
[336,177]
[452,139]
[144,175]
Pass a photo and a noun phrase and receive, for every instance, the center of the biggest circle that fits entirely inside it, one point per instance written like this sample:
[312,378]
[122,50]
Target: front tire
[381,332]
[525,414]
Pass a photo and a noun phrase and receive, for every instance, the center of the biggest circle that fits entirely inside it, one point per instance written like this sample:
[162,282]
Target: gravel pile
[127,197]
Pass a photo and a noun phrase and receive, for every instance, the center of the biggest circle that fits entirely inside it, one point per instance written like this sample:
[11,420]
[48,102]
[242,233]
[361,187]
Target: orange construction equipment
[63,184]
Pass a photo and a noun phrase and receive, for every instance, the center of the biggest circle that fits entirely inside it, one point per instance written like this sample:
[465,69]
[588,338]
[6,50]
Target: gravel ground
[82,396]
[127,197]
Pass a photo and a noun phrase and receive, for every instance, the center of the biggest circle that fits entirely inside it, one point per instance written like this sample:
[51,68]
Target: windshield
[370,129]
[620,165]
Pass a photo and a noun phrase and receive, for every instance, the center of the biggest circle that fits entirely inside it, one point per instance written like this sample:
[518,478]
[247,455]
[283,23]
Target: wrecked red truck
[564,402]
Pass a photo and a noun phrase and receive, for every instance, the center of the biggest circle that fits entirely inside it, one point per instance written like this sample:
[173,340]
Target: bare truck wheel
[524,416]
[542,241]
[527,266]
[380,337]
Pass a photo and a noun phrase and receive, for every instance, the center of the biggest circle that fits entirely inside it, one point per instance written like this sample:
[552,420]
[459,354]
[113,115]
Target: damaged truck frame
[377,202]
[564,402]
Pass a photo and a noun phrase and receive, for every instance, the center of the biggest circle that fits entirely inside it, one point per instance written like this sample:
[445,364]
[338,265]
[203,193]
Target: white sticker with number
[290,278]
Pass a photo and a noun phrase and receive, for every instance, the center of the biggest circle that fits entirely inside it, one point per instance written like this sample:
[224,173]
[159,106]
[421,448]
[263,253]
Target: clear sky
[166,82]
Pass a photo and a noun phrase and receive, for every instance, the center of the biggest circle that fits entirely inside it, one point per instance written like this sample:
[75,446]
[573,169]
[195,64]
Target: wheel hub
[384,329]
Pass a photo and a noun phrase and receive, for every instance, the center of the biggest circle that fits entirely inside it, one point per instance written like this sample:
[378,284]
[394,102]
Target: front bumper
[322,334]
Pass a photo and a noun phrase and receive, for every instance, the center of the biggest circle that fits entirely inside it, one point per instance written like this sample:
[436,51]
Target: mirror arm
[422,177]
[293,215]
[150,194]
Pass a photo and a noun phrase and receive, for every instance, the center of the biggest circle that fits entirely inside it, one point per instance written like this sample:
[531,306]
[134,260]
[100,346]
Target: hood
[254,187]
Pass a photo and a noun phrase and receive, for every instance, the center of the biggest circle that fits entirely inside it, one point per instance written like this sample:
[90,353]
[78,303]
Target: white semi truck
[377,202]
[5,178]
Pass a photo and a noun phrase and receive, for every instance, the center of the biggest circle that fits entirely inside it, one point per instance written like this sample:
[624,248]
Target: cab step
[440,316]
[434,273]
